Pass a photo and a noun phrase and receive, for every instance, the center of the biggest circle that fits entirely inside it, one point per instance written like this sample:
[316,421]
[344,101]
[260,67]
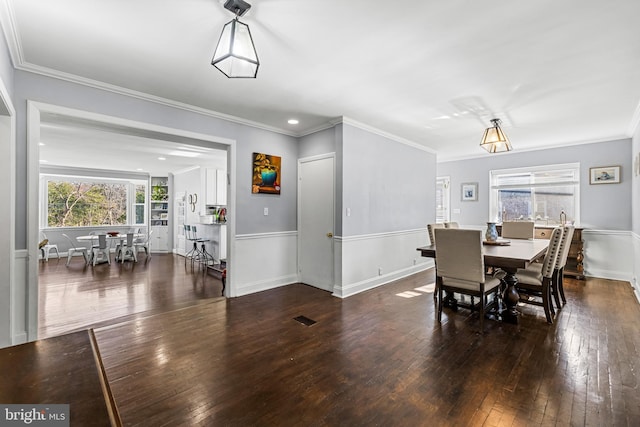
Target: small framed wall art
[469,191]
[604,175]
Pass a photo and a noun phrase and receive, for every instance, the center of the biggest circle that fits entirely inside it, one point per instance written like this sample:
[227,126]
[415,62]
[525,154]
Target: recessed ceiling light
[293,121]
[139,169]
[162,158]
[44,161]
[41,144]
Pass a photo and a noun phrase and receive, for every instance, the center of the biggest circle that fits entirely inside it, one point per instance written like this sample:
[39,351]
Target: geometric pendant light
[235,54]
[494,139]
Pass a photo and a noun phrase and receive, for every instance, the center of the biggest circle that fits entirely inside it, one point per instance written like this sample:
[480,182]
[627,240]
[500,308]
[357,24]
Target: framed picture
[469,191]
[604,175]
[266,173]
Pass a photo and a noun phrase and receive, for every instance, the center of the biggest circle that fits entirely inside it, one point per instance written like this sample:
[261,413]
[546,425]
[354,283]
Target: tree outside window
[73,202]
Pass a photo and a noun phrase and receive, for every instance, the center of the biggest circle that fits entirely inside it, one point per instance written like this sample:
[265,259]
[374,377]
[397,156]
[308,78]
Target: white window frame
[131,197]
[493,189]
[444,183]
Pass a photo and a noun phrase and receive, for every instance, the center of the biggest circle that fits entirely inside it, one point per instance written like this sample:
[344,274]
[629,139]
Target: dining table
[508,256]
[111,237]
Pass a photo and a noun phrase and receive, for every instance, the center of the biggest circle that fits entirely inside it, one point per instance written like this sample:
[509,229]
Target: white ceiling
[431,72]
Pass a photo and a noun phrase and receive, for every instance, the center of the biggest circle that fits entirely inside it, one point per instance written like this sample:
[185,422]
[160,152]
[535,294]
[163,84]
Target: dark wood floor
[78,297]
[378,359]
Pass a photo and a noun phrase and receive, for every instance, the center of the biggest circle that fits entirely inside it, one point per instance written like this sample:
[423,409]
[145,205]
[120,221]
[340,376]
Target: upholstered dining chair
[73,249]
[101,250]
[558,273]
[536,280]
[451,225]
[518,229]
[460,269]
[430,228]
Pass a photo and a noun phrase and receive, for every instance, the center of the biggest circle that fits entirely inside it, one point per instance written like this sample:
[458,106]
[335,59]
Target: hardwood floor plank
[55,371]
[377,359]
[79,297]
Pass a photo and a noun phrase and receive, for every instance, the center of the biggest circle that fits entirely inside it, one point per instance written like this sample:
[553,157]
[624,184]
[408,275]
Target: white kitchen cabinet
[159,240]
[215,183]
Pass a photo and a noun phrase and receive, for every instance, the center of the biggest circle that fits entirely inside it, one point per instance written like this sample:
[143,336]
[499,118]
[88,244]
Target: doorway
[316,212]
[38,111]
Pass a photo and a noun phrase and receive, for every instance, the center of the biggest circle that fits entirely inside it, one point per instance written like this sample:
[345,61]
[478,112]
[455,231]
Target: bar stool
[203,257]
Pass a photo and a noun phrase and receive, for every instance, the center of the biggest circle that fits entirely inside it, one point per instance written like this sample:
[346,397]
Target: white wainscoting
[264,261]
[19,303]
[608,254]
[372,260]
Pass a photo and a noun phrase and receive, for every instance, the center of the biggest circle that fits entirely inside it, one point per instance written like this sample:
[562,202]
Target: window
[442,199]
[74,201]
[537,194]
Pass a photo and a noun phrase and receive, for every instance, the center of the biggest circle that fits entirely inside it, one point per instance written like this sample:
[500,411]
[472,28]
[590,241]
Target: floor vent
[304,320]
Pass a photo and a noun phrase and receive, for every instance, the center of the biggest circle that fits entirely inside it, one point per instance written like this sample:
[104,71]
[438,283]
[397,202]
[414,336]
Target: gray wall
[635,187]
[388,186]
[321,142]
[601,206]
[6,66]
[249,218]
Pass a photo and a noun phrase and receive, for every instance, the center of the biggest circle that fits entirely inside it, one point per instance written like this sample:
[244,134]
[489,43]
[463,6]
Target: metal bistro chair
[76,249]
[127,250]
[47,247]
[143,244]
[101,250]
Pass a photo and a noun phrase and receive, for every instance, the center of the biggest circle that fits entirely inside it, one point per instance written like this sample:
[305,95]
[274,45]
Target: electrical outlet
[266,211]
[379,271]
[415,261]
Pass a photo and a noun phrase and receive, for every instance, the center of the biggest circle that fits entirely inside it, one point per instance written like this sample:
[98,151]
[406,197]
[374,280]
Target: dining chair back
[536,280]
[126,250]
[101,250]
[430,228]
[73,249]
[460,269]
[143,244]
[518,229]
[558,274]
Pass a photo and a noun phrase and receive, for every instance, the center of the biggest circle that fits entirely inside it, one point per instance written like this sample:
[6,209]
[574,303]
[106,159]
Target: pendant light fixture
[235,54]
[494,140]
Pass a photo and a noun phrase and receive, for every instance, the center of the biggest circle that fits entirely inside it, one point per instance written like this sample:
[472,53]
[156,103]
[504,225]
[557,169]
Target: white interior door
[316,199]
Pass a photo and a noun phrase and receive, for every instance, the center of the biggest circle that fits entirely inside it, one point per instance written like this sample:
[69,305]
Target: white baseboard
[369,261]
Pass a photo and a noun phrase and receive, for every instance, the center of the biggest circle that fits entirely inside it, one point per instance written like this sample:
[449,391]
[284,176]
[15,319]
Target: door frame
[34,111]
[333,218]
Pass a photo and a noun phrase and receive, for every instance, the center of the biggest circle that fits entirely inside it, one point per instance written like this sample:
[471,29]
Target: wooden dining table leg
[510,297]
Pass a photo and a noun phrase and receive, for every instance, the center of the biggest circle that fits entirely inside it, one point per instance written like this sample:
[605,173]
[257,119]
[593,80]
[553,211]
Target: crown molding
[634,124]
[10,30]
[72,78]
[484,154]
[376,131]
